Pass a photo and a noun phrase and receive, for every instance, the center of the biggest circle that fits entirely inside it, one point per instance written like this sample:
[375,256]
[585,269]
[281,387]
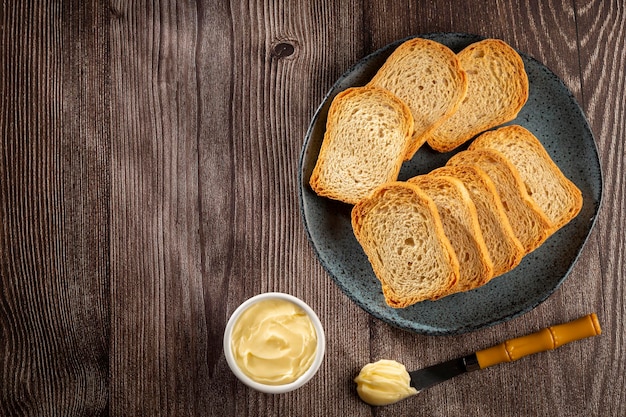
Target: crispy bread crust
[494,164]
[441,246]
[459,218]
[507,140]
[352,188]
[505,250]
[439,70]
[487,63]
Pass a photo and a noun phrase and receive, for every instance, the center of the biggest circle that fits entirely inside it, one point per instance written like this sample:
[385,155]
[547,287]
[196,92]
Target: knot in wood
[283,49]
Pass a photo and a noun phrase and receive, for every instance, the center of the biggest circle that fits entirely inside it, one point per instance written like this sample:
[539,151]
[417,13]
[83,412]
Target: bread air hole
[528,190]
[478,54]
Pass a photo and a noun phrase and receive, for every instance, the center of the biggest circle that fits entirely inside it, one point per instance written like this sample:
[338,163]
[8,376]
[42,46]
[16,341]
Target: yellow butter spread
[384,382]
[274,342]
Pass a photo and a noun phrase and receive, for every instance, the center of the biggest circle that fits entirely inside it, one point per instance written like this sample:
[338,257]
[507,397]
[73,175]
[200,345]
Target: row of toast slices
[423,93]
[461,225]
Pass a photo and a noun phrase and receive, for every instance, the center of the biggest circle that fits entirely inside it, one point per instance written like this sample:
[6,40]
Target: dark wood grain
[602,66]
[54,210]
[148,185]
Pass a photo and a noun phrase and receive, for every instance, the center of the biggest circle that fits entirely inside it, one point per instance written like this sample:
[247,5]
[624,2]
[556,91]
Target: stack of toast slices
[459,226]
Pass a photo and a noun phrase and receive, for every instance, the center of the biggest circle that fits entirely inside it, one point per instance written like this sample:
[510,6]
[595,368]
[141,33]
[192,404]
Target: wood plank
[54,210]
[142,184]
[601,41]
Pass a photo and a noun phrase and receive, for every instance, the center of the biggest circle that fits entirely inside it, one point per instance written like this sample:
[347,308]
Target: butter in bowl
[274,343]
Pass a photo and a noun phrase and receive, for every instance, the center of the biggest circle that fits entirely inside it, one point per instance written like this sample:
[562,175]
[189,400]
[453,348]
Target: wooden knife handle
[546,339]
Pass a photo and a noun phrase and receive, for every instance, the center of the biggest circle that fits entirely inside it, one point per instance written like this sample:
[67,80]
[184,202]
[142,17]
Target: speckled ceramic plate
[553,115]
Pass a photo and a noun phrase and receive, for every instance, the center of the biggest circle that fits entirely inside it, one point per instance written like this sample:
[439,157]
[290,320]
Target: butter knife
[546,339]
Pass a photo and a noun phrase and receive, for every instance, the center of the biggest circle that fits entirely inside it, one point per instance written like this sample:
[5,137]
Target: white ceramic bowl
[304,378]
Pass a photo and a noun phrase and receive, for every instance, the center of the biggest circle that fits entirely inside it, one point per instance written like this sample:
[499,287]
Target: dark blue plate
[553,115]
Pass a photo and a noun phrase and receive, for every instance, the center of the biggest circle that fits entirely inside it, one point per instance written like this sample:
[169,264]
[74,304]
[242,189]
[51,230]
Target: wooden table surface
[149,184]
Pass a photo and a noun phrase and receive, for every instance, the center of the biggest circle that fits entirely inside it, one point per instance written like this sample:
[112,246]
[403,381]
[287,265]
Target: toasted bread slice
[460,224]
[557,196]
[367,134]
[497,90]
[401,233]
[428,77]
[530,225]
[505,250]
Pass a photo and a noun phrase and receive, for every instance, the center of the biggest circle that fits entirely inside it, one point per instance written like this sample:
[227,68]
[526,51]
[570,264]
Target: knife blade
[435,374]
[511,350]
